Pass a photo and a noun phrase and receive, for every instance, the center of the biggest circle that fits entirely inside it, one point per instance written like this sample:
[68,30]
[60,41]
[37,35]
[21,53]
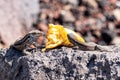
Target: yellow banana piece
[58,35]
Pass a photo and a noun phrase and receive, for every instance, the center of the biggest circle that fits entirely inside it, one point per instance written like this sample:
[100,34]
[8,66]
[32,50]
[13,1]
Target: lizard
[37,38]
[31,40]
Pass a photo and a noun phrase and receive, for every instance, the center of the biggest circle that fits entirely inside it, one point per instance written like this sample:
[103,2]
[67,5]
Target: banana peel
[58,35]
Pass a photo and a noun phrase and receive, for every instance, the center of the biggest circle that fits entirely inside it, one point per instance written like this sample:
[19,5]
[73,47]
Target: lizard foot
[27,51]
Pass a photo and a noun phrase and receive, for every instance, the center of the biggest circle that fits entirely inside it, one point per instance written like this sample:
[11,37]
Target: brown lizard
[31,40]
[37,38]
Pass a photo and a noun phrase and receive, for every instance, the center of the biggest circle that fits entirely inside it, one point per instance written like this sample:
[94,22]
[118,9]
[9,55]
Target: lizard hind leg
[82,45]
[90,46]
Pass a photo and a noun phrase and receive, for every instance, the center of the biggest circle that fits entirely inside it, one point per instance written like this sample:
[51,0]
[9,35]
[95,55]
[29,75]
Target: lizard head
[38,36]
[32,39]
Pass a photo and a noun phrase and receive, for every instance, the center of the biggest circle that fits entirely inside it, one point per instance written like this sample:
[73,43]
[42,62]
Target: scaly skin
[31,40]
[36,39]
[86,46]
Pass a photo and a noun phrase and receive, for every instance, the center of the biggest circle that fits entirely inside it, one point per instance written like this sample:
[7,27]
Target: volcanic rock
[60,64]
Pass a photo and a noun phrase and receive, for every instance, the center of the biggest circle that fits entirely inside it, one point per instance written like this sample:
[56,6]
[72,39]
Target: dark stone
[60,64]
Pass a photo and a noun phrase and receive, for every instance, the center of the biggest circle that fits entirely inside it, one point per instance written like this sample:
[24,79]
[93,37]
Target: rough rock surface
[60,64]
[15,17]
